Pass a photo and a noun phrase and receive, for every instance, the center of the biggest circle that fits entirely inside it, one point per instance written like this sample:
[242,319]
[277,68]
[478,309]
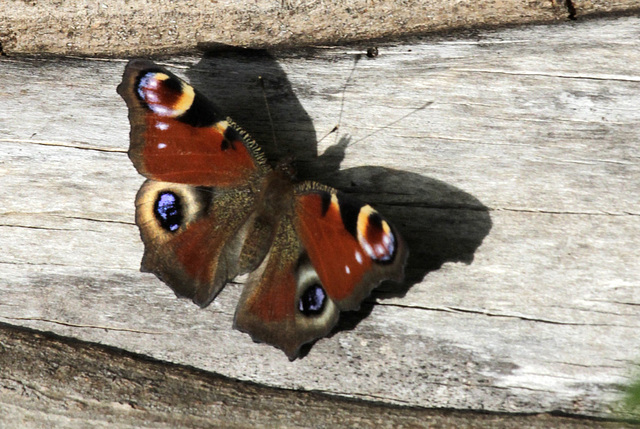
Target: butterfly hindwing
[269,308]
[194,237]
[329,252]
[351,246]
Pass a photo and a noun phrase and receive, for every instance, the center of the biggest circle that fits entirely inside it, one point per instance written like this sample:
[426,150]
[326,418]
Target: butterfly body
[213,208]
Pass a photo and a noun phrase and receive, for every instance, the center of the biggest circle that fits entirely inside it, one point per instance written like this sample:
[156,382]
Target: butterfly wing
[328,255]
[195,237]
[364,248]
[268,306]
[177,134]
[194,214]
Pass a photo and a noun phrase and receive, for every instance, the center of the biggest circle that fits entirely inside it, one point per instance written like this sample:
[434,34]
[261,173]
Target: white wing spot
[163,126]
[386,240]
[161,145]
[151,97]
[359,257]
[347,269]
[161,110]
[367,248]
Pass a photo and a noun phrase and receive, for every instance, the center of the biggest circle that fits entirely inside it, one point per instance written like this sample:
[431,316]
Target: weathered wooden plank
[134,27]
[75,385]
[514,152]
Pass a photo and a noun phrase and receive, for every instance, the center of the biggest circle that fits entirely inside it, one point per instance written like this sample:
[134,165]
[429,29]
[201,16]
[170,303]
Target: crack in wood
[90,219]
[66,145]
[492,314]
[608,78]
[635,304]
[593,310]
[45,228]
[83,218]
[548,159]
[80,325]
[34,263]
[563,212]
[581,365]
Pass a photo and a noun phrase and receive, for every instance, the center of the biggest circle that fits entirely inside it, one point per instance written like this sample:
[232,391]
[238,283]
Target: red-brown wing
[273,306]
[351,247]
[177,135]
[326,257]
[193,236]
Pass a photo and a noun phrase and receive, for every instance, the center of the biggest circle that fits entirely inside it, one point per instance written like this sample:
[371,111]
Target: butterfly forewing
[178,136]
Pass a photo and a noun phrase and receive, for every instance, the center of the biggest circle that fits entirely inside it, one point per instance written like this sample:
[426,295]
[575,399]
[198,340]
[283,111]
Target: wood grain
[77,385]
[509,161]
[140,27]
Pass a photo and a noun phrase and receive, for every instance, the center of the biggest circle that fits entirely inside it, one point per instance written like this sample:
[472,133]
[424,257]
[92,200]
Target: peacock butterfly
[212,208]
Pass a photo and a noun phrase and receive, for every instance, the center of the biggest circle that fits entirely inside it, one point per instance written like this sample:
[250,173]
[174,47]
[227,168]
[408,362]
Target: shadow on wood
[440,222]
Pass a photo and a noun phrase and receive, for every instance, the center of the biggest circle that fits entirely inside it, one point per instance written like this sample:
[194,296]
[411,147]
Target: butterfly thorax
[277,192]
[286,169]
[273,201]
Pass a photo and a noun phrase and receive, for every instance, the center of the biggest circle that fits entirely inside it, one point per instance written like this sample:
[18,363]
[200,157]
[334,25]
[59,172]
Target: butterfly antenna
[333,130]
[344,93]
[424,106]
[266,103]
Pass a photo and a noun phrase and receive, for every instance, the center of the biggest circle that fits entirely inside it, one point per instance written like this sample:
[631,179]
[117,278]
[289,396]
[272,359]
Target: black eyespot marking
[313,300]
[375,221]
[202,112]
[349,211]
[326,202]
[173,83]
[379,245]
[230,137]
[168,211]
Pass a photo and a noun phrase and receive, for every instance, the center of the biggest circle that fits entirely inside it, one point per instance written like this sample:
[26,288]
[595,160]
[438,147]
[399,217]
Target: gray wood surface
[509,160]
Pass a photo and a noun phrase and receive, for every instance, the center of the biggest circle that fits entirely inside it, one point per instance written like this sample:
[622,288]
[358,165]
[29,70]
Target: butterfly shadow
[439,222]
